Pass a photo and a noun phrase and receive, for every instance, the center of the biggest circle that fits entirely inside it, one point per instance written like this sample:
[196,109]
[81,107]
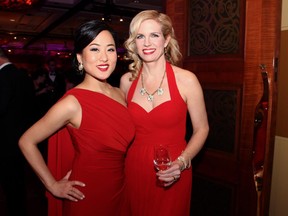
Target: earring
[80,67]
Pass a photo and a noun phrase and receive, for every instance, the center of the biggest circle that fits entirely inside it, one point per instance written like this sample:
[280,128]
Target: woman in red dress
[92,130]
[159,94]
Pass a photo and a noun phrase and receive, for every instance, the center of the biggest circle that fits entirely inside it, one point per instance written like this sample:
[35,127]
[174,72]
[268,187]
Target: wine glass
[162,160]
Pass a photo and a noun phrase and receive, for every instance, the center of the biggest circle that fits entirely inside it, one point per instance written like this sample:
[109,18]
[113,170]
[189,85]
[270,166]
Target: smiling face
[150,41]
[99,58]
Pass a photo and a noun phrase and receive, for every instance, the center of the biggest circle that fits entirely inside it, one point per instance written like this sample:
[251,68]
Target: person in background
[55,82]
[38,78]
[72,79]
[16,103]
[159,94]
[49,86]
[42,102]
[42,92]
[91,130]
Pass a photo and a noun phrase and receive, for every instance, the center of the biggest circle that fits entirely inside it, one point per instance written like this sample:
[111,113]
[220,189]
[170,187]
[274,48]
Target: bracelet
[186,165]
[181,159]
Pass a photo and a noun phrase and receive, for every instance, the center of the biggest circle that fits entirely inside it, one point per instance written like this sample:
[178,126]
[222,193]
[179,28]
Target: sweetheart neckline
[148,112]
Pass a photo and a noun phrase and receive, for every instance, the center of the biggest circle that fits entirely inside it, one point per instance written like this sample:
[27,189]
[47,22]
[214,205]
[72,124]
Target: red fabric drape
[60,157]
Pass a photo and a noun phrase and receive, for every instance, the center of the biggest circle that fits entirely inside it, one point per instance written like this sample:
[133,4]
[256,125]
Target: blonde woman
[159,94]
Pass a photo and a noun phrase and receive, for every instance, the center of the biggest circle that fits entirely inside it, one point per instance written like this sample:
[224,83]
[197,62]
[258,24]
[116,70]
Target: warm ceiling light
[17,4]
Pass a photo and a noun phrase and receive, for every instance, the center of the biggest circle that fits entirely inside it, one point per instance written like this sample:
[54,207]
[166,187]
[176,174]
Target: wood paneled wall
[279,191]
[282,112]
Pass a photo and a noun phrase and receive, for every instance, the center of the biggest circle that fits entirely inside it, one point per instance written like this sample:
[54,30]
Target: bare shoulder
[184,77]
[65,111]
[125,82]
[187,83]
[126,76]
[66,106]
[70,101]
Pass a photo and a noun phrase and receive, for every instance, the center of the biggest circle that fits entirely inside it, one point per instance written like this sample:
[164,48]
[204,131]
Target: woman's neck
[153,68]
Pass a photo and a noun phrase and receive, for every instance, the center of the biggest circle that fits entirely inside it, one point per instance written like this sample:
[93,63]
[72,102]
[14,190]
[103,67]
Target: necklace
[159,90]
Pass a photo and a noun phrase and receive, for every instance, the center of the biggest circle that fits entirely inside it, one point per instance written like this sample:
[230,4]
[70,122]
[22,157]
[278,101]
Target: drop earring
[80,68]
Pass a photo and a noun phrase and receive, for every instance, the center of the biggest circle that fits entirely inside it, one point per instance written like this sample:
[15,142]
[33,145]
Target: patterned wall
[214,27]
[221,108]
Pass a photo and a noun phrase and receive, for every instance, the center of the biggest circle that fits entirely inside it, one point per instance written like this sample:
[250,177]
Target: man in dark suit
[55,81]
[16,102]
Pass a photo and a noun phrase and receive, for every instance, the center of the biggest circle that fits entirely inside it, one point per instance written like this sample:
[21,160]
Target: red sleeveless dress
[96,154]
[165,124]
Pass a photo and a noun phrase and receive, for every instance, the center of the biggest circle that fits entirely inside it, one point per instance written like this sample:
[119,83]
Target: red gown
[165,124]
[96,156]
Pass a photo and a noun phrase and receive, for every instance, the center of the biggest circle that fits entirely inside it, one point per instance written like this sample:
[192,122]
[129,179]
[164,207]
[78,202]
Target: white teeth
[103,67]
[148,51]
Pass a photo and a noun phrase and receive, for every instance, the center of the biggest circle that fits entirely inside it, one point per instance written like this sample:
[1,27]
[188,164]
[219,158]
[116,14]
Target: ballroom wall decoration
[214,27]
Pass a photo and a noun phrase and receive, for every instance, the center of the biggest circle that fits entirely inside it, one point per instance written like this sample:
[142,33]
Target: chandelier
[16,4]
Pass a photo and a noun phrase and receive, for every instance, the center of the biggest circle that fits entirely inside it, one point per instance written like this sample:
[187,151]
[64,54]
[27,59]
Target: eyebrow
[101,45]
[149,33]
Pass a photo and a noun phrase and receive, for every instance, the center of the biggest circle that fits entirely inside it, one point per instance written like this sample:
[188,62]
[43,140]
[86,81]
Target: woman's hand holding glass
[168,172]
[162,160]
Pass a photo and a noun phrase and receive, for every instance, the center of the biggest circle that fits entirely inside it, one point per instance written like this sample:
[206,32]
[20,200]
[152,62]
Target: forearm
[37,162]
[194,146]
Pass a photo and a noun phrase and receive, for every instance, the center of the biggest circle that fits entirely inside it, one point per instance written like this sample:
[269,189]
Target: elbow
[22,143]
[205,131]
[207,128]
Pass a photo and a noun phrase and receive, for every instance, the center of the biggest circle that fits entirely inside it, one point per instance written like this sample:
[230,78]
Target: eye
[154,35]
[94,49]
[139,36]
[111,50]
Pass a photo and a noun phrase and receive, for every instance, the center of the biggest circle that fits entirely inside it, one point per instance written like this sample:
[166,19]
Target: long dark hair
[86,33]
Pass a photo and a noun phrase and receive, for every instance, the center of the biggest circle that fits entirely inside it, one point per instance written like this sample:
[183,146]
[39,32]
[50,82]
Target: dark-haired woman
[93,118]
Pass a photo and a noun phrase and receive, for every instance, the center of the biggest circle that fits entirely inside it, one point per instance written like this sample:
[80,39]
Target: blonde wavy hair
[172,51]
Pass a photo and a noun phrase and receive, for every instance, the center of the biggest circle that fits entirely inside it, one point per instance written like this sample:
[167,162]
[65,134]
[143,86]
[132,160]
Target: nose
[147,42]
[103,56]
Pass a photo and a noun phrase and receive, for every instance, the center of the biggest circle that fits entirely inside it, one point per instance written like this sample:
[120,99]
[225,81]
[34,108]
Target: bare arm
[191,91]
[64,112]
[197,110]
